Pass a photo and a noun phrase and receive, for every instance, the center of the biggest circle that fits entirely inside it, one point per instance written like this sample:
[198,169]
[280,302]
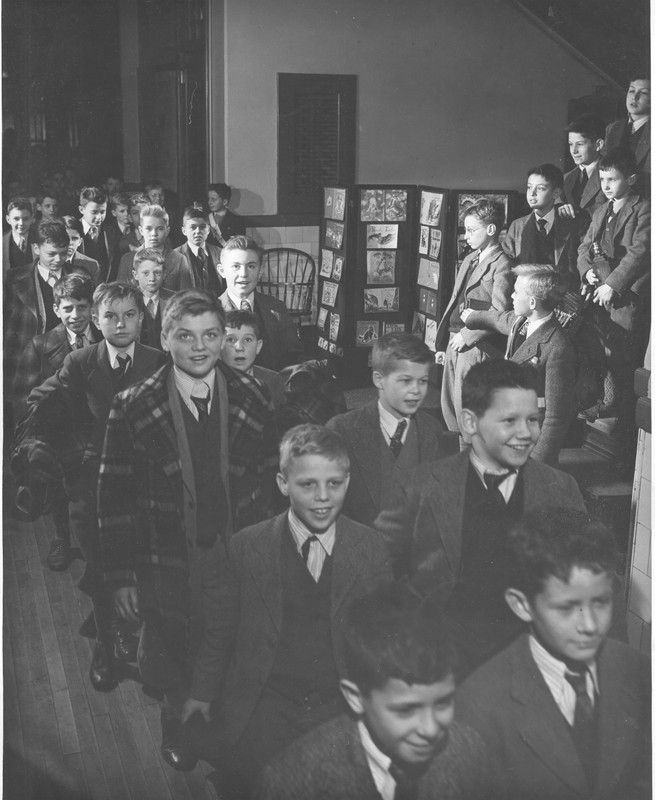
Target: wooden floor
[63,740]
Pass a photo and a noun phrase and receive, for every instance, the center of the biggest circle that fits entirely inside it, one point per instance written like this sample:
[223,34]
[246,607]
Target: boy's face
[476,233]
[19,220]
[571,619]
[75,241]
[240,347]
[94,213]
[584,151]
[48,208]
[402,390]
[154,231]
[149,277]
[521,297]
[615,184]
[505,435]
[408,722]
[156,195]
[316,487]
[75,314]
[541,194]
[51,256]
[196,231]
[119,322]
[241,270]
[194,343]
[135,214]
[121,213]
[637,100]
[113,185]
[215,202]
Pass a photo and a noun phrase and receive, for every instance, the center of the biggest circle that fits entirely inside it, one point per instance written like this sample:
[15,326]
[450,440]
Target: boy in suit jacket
[223,223]
[204,258]
[564,711]
[74,258]
[148,275]
[93,208]
[447,523]
[281,611]
[16,244]
[536,337]
[582,184]
[189,457]
[390,436]
[614,265]
[241,266]
[400,739]
[117,225]
[132,240]
[484,280]
[633,131]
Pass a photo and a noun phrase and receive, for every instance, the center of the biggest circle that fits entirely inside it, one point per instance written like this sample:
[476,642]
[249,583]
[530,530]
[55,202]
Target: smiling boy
[16,245]
[148,274]
[582,184]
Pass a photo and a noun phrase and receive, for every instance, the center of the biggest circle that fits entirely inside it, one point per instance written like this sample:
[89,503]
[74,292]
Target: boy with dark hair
[204,258]
[582,184]
[281,612]
[117,224]
[93,208]
[484,280]
[614,264]
[148,275]
[16,244]
[390,436]
[223,223]
[74,258]
[400,739]
[47,208]
[134,239]
[446,523]
[564,711]
[633,131]
[536,337]
[187,459]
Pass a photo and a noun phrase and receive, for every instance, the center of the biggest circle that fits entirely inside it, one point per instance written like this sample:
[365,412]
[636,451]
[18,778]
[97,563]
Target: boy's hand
[457,343]
[567,211]
[191,706]
[591,277]
[604,295]
[466,313]
[126,603]
[440,358]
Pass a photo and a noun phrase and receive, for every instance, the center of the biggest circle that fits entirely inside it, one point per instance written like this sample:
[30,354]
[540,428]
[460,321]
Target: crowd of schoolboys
[377,607]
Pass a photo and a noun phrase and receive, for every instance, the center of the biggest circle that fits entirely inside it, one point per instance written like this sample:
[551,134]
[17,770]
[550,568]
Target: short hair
[152,210]
[483,379]
[543,282]
[42,196]
[621,159]
[138,198]
[191,302]
[588,125]
[489,212]
[53,232]
[242,243]
[315,440]
[73,223]
[391,633]
[92,194]
[19,204]
[118,199]
[639,75]
[193,212]
[399,346]
[551,173]
[221,189]
[148,254]
[551,542]
[109,293]
[75,285]
[239,319]
[153,184]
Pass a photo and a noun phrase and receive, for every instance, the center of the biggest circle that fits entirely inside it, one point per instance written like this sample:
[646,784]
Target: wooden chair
[288,274]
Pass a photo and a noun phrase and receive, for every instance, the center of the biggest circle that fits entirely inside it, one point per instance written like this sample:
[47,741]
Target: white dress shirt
[506,487]
[319,549]
[389,423]
[189,387]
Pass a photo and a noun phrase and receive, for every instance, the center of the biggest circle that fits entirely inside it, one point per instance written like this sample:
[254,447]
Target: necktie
[396,443]
[580,183]
[519,337]
[124,362]
[23,245]
[202,260]
[151,308]
[610,215]
[93,232]
[542,227]
[406,784]
[245,306]
[492,482]
[584,723]
[52,279]
[79,341]
[306,545]
[201,402]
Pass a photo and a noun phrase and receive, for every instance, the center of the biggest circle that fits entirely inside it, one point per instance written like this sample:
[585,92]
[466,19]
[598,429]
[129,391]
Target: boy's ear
[377,379]
[260,344]
[81,209]
[600,143]
[491,229]
[134,275]
[519,604]
[468,422]
[164,342]
[632,179]
[352,695]
[533,303]
[282,484]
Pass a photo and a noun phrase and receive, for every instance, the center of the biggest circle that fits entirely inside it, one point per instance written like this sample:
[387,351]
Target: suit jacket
[360,430]
[147,498]
[249,616]
[151,328]
[232,225]
[422,522]
[614,134]
[6,252]
[111,276]
[80,261]
[274,384]
[489,286]
[282,347]
[531,751]
[592,195]
[214,255]
[113,236]
[329,763]
[551,352]
[128,243]
[177,272]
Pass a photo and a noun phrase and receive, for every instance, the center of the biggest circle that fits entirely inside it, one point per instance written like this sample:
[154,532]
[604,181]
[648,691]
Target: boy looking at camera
[148,275]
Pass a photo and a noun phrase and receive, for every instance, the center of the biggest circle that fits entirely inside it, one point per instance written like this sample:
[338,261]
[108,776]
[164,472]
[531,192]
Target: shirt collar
[487,250]
[195,249]
[554,669]
[146,299]
[589,168]
[86,333]
[185,384]
[46,273]
[112,352]
[236,301]
[17,239]
[639,123]
[507,486]
[549,217]
[378,762]
[389,423]
[301,533]
[537,323]
[618,204]
[86,227]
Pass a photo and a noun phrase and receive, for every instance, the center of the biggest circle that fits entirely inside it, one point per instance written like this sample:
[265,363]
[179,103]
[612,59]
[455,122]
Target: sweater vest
[392,468]
[51,319]
[535,248]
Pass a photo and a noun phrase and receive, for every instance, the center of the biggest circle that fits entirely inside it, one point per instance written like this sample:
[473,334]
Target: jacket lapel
[624,214]
[100,371]
[591,189]
[177,455]
[366,440]
[512,336]
[532,345]
[266,569]
[348,560]
[450,515]
[562,234]
[643,145]
[483,266]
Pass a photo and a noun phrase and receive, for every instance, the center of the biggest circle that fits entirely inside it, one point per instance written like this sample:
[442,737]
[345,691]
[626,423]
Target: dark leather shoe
[101,673]
[125,643]
[59,555]
[175,751]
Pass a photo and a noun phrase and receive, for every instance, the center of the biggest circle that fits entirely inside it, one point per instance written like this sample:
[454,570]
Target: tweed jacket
[550,351]
[489,286]
[177,271]
[531,752]
[614,134]
[214,256]
[592,195]
[360,430]
[274,384]
[250,609]
[422,521]
[329,763]
[281,347]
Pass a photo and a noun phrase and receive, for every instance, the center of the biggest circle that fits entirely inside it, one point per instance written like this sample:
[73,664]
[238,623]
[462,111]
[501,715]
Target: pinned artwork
[424,240]
[382,236]
[334,235]
[381,300]
[329,296]
[431,334]
[428,273]
[366,333]
[381,266]
[327,257]
[435,242]
[372,205]
[337,268]
[430,208]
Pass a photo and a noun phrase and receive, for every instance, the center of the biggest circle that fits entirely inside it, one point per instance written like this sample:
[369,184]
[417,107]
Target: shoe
[125,643]
[59,555]
[599,411]
[101,673]
[174,750]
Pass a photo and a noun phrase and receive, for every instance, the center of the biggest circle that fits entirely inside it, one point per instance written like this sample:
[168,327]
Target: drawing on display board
[328,203]
[418,325]
[381,266]
[339,207]
[329,297]
[431,333]
[366,333]
[335,321]
[428,273]
[381,300]
[435,242]
[322,317]
[382,236]
[395,205]
[424,241]
[431,203]
[393,327]
[334,234]
[372,205]
[327,257]
[337,268]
